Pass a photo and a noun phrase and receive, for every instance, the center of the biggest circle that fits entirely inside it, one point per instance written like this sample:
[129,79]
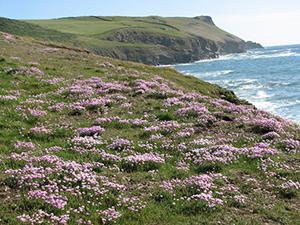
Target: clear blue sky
[270,22]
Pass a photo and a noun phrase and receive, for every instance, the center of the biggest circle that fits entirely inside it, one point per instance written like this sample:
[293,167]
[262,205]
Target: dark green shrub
[208,168]
[165,116]
[288,193]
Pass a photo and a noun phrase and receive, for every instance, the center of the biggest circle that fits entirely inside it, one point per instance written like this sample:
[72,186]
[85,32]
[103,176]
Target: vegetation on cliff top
[92,140]
[151,40]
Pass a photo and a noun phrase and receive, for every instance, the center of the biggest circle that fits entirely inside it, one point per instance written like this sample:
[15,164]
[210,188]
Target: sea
[269,78]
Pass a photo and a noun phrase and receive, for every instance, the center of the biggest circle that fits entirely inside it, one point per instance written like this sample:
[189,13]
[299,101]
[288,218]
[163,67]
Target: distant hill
[150,40]
[21,28]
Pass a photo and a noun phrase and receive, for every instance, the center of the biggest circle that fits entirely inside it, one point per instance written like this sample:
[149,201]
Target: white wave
[265,105]
[217,73]
[288,103]
[278,84]
[253,55]
[277,55]
[242,85]
[258,54]
[262,94]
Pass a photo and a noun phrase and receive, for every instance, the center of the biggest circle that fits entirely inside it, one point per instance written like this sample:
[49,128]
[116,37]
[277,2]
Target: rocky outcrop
[167,50]
[206,19]
[252,45]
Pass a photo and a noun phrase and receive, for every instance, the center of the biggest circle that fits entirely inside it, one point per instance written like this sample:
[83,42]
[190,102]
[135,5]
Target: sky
[269,22]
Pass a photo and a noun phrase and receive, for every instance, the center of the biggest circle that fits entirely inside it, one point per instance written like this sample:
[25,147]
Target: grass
[27,29]
[101,35]
[266,203]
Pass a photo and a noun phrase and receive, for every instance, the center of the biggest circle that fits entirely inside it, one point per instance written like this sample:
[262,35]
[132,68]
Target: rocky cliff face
[171,49]
[151,40]
[167,50]
[252,45]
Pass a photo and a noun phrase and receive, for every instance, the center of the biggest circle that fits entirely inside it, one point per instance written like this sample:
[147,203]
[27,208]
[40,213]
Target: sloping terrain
[26,29]
[150,40]
[91,140]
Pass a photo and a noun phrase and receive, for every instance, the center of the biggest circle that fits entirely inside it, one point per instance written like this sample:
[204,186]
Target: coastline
[258,76]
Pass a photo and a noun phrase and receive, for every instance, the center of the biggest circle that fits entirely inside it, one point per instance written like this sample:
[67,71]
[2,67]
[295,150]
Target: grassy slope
[266,202]
[100,35]
[26,29]
[99,27]
[177,26]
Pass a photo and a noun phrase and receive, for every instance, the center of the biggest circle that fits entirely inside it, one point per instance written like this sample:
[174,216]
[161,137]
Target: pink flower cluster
[202,182]
[36,71]
[227,153]
[41,217]
[133,122]
[23,145]
[86,141]
[40,130]
[8,97]
[164,126]
[208,197]
[291,145]
[204,189]
[57,107]
[93,85]
[260,150]
[265,125]
[271,135]
[57,201]
[156,85]
[109,215]
[193,109]
[51,179]
[90,131]
[37,112]
[120,144]
[290,185]
[143,158]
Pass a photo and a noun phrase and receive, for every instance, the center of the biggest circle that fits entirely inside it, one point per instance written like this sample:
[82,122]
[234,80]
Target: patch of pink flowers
[90,131]
[142,158]
[24,145]
[40,130]
[37,112]
[55,200]
[120,144]
[109,215]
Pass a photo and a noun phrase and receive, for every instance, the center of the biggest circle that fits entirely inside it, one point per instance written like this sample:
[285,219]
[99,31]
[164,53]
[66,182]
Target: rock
[206,19]
[252,45]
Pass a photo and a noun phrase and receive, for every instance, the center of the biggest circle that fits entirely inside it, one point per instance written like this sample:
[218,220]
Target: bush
[288,193]
[157,95]
[209,167]
[165,116]
[11,182]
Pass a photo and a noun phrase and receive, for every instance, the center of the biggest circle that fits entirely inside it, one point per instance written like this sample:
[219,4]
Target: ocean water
[269,78]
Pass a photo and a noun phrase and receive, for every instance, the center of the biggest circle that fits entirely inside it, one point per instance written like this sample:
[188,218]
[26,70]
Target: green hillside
[177,26]
[86,139]
[151,40]
[27,29]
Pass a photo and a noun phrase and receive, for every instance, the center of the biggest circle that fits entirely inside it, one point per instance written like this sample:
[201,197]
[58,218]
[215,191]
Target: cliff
[150,40]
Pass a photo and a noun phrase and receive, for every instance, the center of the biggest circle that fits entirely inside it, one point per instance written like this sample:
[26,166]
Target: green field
[177,26]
